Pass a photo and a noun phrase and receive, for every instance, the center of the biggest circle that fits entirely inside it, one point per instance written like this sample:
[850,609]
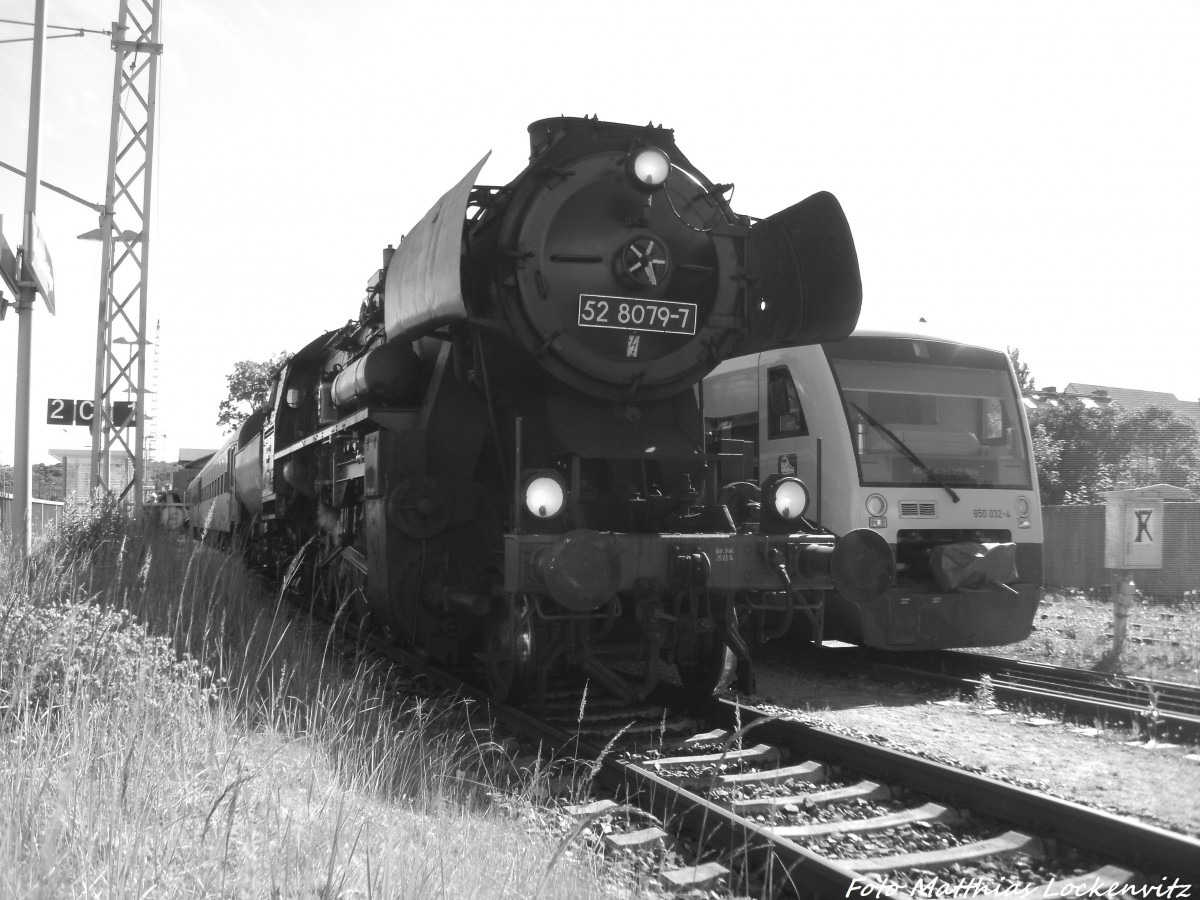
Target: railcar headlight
[876,505]
[1023,507]
[786,496]
[649,168]
[544,496]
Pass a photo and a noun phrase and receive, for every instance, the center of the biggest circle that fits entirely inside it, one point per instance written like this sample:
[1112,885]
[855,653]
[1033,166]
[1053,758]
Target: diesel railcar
[501,460]
[922,440]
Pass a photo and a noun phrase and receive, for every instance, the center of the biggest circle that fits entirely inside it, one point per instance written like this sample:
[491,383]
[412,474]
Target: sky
[1020,174]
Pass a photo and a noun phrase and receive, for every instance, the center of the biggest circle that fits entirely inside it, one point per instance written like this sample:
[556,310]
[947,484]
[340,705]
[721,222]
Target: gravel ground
[1095,766]
[1074,628]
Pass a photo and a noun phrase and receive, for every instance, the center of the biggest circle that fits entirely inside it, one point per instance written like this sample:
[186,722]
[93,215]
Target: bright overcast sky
[1020,173]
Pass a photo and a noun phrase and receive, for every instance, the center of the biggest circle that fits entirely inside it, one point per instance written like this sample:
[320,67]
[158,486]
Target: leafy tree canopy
[1083,450]
[1072,445]
[1159,446]
[1024,376]
[45,481]
[248,388]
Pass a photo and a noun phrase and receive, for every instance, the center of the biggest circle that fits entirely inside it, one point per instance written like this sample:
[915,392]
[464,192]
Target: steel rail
[1127,698]
[1146,847]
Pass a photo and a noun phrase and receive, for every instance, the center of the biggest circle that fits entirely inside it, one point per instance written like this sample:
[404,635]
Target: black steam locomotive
[503,459]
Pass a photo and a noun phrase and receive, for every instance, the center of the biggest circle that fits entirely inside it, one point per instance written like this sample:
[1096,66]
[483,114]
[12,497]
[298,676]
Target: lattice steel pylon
[125,239]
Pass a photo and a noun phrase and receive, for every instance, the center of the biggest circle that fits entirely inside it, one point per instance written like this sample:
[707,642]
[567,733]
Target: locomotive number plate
[628,314]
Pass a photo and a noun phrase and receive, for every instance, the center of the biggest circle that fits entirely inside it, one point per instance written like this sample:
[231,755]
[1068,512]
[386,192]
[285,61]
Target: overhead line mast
[125,256]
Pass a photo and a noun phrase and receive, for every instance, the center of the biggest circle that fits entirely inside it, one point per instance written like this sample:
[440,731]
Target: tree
[45,481]
[158,474]
[1024,376]
[1073,448]
[1082,449]
[248,388]
[1158,446]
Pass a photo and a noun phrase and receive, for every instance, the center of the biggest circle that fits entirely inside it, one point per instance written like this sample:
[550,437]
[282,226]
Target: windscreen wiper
[906,450]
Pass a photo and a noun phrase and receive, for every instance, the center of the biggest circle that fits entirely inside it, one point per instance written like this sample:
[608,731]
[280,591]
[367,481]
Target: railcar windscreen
[929,412]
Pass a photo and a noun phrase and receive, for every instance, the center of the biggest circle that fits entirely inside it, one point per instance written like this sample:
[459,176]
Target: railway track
[1164,709]
[799,810]
[728,797]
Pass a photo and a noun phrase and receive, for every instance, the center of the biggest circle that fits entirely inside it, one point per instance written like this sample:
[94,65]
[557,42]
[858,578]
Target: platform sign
[79,412]
[123,414]
[64,412]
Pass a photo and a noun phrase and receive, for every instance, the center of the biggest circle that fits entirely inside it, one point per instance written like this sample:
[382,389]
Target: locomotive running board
[391,419]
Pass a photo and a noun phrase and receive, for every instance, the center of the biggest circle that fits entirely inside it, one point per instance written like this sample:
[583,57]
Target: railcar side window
[993,427]
[785,416]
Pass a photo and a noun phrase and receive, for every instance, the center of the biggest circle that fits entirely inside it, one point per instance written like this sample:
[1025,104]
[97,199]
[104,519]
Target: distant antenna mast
[125,258]
[152,415]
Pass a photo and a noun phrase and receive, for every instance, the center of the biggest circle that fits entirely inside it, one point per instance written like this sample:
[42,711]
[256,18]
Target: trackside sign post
[1133,542]
[1133,526]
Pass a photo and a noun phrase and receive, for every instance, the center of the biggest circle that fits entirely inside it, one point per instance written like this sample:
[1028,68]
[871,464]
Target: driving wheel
[509,652]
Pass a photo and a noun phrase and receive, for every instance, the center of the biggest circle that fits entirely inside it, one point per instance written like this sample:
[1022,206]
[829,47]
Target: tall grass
[168,729]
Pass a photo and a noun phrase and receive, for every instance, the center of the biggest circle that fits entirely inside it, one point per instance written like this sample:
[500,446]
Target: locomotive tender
[502,459]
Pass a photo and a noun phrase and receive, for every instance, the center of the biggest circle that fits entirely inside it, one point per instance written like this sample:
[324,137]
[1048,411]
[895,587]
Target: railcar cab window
[785,416]
[920,406]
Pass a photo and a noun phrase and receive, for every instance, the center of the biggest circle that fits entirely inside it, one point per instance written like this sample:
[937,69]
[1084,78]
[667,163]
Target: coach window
[785,417]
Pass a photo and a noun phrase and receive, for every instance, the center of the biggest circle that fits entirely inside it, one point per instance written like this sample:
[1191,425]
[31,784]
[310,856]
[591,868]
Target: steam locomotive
[503,459]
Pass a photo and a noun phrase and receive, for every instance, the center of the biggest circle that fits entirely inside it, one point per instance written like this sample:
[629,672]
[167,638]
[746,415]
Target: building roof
[78,453]
[192,454]
[1131,398]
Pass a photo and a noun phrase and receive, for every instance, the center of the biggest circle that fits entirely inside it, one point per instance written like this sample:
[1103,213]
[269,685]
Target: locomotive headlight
[876,505]
[1023,507]
[649,168]
[786,496]
[544,496]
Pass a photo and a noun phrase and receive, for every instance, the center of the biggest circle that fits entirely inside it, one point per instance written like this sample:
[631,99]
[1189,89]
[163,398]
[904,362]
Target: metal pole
[22,472]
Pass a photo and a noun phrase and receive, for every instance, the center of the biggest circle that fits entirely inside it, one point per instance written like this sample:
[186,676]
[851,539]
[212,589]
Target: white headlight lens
[544,497]
[876,505]
[1023,507]
[651,167]
[790,499]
